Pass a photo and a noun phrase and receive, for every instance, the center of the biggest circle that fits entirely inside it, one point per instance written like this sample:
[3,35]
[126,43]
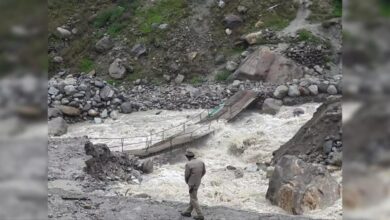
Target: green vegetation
[222,76]
[307,36]
[108,16]
[325,9]
[337,8]
[86,65]
[196,80]
[384,6]
[164,11]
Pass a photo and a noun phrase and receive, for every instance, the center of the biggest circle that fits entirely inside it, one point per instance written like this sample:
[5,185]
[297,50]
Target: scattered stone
[53,91]
[126,108]
[281,91]
[251,168]
[318,69]
[299,187]
[313,89]
[293,91]
[138,50]
[221,4]
[298,111]
[335,158]
[242,9]
[97,120]
[70,90]
[104,113]
[63,32]
[93,112]
[117,70]
[219,59]
[327,146]
[230,167]
[104,44]
[236,83]
[179,79]
[232,21]
[107,93]
[228,31]
[271,106]
[163,26]
[53,113]
[231,66]
[57,126]
[238,173]
[332,90]
[69,110]
[114,115]
[58,59]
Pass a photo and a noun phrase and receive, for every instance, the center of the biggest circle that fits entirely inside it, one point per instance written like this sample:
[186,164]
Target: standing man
[194,171]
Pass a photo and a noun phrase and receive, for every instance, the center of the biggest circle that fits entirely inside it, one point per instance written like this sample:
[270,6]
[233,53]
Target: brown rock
[68,110]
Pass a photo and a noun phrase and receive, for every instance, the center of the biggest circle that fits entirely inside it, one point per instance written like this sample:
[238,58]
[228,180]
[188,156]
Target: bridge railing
[146,141]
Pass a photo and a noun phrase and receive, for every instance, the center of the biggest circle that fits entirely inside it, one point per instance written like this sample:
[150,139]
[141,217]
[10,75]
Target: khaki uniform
[195,170]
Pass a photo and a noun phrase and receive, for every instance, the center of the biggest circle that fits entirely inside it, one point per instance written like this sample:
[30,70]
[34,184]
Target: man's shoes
[198,217]
[185,214]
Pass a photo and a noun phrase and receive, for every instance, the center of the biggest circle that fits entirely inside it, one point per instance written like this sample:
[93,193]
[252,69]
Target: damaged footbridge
[196,127]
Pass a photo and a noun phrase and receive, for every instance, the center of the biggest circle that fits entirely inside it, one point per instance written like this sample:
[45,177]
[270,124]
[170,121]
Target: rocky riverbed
[244,149]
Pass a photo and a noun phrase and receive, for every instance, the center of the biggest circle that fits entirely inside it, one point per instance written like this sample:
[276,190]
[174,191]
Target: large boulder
[310,138]
[271,106]
[298,187]
[117,70]
[147,166]
[69,110]
[268,66]
[127,108]
[57,126]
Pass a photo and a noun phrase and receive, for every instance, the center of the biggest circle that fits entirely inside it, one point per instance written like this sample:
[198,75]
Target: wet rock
[69,110]
[126,108]
[270,171]
[138,50]
[147,166]
[299,187]
[97,120]
[298,111]
[327,146]
[107,93]
[53,113]
[313,89]
[335,158]
[281,91]
[114,115]
[104,113]
[232,21]
[271,106]
[293,91]
[230,167]
[104,44]
[238,173]
[117,70]
[57,126]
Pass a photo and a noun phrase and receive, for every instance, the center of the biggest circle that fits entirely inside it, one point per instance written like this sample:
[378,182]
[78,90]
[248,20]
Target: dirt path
[125,208]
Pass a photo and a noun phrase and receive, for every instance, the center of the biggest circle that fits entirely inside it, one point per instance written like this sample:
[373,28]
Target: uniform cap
[190,153]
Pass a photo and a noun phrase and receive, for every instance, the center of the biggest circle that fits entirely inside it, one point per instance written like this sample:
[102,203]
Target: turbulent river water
[262,134]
